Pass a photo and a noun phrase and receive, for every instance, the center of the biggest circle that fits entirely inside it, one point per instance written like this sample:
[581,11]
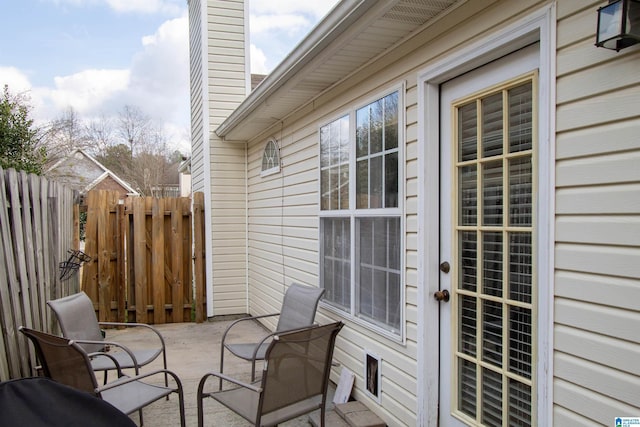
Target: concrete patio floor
[192,350]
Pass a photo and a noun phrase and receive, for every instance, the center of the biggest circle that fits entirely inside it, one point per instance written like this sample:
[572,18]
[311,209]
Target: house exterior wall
[597,214]
[226,163]
[597,222]
[197,99]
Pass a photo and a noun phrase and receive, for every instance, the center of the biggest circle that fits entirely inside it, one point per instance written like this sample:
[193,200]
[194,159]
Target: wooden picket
[142,268]
[36,232]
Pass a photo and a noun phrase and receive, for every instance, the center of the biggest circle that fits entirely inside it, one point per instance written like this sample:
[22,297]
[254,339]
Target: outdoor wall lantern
[618,24]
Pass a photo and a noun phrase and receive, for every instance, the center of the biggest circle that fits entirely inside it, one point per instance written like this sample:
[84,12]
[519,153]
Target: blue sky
[99,55]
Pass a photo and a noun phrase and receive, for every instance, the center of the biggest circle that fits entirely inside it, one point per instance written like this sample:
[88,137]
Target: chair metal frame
[294,380]
[77,320]
[65,361]
[298,310]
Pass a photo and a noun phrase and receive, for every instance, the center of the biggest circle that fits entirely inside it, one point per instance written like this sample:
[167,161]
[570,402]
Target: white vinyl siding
[196,90]
[227,162]
[597,276]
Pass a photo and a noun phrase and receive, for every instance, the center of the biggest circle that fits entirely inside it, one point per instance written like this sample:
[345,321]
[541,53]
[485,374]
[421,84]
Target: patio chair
[78,321]
[64,361]
[294,380]
[298,310]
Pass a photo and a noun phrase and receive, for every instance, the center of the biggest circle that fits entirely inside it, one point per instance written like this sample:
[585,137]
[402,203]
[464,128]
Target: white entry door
[488,307]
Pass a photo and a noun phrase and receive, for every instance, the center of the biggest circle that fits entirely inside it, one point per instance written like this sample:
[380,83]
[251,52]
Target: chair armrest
[133,325]
[234,323]
[113,359]
[141,376]
[115,344]
[227,378]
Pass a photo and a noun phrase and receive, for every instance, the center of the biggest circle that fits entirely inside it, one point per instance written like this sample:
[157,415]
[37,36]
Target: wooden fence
[37,223]
[142,253]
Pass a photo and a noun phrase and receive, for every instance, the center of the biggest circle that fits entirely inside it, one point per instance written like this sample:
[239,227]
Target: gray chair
[64,361]
[294,380]
[298,310]
[78,321]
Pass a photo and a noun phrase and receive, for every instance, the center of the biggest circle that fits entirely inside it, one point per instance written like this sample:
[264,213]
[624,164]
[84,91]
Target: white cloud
[317,9]
[87,90]
[18,82]
[171,7]
[258,61]
[168,7]
[287,23]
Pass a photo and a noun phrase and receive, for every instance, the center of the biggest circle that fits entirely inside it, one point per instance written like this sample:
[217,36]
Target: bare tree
[65,134]
[101,132]
[133,127]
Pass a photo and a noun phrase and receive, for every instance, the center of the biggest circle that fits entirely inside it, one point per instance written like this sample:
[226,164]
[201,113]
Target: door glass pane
[494,332]
[520,118]
[520,341]
[492,261]
[520,192]
[468,261]
[492,193]
[468,325]
[467,390]
[468,195]
[492,125]
[467,132]
[519,404]
[491,398]
[520,267]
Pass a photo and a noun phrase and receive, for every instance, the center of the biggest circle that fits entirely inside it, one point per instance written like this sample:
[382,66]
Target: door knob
[445,267]
[442,295]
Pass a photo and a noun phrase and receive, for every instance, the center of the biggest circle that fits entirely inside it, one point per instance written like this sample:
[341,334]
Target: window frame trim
[353,213]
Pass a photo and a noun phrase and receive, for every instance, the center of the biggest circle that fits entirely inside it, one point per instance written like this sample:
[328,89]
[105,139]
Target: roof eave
[328,30]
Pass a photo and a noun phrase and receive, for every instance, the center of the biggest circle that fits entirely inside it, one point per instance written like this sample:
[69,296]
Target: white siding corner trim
[538,26]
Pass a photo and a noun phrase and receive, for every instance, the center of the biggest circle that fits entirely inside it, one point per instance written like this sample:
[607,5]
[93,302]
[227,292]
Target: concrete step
[350,414]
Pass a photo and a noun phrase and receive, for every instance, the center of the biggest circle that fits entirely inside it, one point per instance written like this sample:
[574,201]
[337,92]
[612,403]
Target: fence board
[199,255]
[35,228]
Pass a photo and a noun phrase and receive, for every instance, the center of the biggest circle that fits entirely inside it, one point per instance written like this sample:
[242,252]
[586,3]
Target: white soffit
[353,34]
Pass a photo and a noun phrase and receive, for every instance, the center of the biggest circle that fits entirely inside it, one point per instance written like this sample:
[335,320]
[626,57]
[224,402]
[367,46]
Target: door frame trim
[537,26]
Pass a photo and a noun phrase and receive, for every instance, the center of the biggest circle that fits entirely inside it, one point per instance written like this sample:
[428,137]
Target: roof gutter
[344,14]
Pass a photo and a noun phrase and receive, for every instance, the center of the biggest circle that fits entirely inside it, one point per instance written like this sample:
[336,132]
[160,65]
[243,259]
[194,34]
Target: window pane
[468,196]
[334,163]
[492,193]
[520,192]
[362,132]
[375,182]
[492,125]
[391,121]
[336,253]
[520,118]
[362,184]
[467,134]
[391,180]
[379,277]
[375,127]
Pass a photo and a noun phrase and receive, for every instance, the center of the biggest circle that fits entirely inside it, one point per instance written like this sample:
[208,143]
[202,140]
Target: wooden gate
[142,258]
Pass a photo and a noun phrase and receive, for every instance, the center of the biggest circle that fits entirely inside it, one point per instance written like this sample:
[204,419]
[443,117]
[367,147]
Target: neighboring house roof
[348,39]
[82,172]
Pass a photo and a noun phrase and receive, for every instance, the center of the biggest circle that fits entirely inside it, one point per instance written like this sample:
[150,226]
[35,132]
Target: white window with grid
[360,214]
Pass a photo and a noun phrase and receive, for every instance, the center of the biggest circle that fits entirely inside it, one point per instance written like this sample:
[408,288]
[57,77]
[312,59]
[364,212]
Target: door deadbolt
[442,295]
[445,267]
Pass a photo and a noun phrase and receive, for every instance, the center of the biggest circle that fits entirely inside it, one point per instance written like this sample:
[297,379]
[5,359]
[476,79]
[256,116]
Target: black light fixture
[618,24]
